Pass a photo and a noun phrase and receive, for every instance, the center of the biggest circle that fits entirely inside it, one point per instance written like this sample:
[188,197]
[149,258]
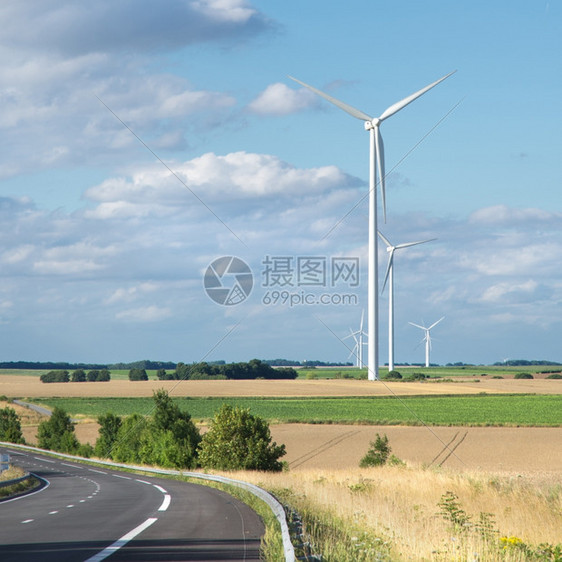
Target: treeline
[524,363]
[95,375]
[310,363]
[254,369]
[44,365]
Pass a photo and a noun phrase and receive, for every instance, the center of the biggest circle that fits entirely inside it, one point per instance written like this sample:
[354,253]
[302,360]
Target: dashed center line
[53,512]
[27,521]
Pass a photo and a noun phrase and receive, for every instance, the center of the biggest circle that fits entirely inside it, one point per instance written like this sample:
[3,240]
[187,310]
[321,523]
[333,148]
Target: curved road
[86,513]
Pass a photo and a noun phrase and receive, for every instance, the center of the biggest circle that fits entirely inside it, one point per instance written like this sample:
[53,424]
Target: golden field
[14,386]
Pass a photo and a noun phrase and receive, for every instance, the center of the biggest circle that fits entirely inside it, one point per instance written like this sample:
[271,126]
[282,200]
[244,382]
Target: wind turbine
[389,276]
[359,343]
[427,338]
[376,161]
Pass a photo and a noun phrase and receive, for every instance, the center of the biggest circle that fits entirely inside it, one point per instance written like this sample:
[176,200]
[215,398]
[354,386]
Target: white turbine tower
[427,338]
[376,162]
[389,276]
[358,336]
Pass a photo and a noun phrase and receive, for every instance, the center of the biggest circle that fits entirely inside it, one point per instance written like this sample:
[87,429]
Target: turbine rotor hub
[372,124]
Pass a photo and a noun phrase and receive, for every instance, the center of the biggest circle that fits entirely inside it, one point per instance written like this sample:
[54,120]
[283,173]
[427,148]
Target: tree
[104,376]
[93,375]
[55,376]
[57,433]
[138,375]
[78,376]
[10,426]
[108,432]
[237,440]
[378,453]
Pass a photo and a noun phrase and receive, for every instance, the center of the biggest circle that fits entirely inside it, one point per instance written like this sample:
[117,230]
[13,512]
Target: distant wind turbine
[427,337]
[389,276]
[358,336]
[376,161]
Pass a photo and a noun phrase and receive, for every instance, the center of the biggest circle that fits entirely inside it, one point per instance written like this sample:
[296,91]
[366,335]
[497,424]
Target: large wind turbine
[376,162]
[427,337]
[358,336]
[389,276]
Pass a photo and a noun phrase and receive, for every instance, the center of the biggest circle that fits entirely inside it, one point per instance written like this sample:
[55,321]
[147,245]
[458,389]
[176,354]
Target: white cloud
[144,314]
[279,99]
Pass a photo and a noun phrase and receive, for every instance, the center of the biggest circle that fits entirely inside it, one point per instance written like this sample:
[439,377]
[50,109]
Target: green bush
[555,376]
[237,440]
[10,426]
[523,376]
[55,376]
[393,375]
[138,375]
[378,453]
[57,433]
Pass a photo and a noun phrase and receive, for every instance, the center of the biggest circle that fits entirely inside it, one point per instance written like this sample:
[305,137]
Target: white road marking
[70,505]
[165,503]
[124,477]
[27,521]
[43,460]
[143,481]
[160,488]
[122,541]
[72,465]
[53,512]
[98,471]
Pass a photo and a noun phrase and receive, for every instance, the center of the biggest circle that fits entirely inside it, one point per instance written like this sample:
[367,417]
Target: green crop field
[474,410]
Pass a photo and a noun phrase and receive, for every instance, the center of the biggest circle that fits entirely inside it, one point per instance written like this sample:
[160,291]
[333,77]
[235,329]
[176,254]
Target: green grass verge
[473,410]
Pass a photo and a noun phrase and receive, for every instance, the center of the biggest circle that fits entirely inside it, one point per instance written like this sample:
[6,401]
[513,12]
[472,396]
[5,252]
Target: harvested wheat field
[19,386]
[337,447]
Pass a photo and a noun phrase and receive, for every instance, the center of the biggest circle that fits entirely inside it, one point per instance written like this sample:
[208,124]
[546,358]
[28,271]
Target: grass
[394,513]
[470,410]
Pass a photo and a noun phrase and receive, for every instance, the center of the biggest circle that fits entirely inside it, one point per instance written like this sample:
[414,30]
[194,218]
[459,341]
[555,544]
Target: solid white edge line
[160,488]
[47,484]
[119,543]
[165,503]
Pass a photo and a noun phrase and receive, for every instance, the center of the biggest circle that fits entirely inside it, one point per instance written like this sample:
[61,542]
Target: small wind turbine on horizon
[359,343]
[389,276]
[427,337]
[376,162]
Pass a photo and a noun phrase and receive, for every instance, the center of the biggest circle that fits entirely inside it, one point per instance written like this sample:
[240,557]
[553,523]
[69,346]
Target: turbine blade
[384,239]
[357,113]
[388,267]
[403,103]
[379,146]
[408,244]
[418,326]
[361,325]
[435,323]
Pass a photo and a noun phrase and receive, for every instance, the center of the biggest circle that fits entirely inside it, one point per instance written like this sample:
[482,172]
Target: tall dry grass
[400,505]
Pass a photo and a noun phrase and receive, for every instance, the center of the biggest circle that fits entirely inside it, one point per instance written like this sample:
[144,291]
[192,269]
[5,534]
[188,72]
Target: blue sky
[105,240]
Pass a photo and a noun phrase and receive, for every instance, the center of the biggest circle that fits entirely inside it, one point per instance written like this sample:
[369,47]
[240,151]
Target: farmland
[472,410]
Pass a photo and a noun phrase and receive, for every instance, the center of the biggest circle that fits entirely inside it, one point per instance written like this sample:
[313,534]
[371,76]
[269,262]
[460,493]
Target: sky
[145,142]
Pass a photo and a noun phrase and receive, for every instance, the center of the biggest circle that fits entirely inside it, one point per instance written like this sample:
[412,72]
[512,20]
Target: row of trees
[79,375]
[254,369]
[236,439]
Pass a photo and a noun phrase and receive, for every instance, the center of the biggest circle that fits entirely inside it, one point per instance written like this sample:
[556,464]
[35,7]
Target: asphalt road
[85,513]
